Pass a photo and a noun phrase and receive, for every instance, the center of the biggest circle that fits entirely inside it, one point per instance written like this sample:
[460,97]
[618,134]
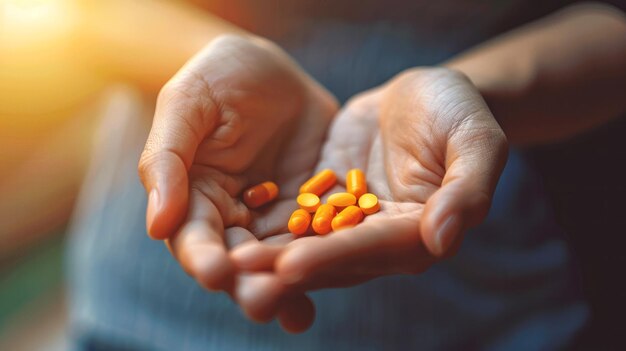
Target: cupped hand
[432,152]
[239,113]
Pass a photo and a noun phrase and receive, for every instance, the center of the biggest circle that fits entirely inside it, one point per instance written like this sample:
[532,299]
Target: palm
[287,157]
[239,113]
[355,141]
[430,149]
[288,161]
[429,146]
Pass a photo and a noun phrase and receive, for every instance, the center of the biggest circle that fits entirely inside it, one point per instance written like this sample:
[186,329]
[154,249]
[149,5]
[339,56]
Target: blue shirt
[510,286]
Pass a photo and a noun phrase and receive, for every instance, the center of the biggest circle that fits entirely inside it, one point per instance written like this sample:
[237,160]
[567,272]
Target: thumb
[473,166]
[182,119]
[164,176]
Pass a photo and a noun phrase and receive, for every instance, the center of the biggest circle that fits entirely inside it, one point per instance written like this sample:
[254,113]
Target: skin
[554,78]
[434,180]
[461,152]
[431,149]
[524,80]
[221,125]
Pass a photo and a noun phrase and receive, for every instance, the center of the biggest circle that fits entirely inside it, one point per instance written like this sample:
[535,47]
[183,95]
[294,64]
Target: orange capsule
[308,202]
[260,194]
[299,222]
[323,219]
[369,204]
[319,183]
[347,218]
[355,182]
[342,200]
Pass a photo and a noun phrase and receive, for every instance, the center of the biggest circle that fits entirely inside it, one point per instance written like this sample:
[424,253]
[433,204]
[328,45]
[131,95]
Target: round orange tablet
[308,202]
[369,203]
[342,200]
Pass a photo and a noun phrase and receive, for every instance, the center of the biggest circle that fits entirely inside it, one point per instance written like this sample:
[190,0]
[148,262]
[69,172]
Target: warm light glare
[30,19]
[56,55]
[29,11]
[40,71]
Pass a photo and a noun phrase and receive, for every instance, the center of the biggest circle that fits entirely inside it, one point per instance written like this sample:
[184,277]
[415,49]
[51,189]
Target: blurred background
[69,66]
[61,70]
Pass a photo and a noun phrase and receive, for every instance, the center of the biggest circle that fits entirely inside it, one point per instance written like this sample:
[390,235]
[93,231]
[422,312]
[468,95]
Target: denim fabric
[510,287]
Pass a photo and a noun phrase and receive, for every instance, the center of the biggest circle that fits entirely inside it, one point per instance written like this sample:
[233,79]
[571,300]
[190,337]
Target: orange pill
[260,194]
[347,218]
[369,204]
[319,183]
[299,222]
[308,202]
[355,182]
[323,219]
[342,200]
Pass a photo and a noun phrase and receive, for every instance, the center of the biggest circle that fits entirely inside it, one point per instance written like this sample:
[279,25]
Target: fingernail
[153,207]
[447,232]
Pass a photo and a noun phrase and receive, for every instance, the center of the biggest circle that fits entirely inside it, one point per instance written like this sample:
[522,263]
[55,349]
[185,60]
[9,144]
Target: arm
[443,151]
[554,78]
[144,41]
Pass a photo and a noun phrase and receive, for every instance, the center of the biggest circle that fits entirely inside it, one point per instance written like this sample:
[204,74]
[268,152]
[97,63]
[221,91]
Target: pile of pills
[341,210]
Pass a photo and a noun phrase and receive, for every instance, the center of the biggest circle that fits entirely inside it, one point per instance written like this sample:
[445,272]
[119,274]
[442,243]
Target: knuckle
[357,102]
[190,88]
[412,74]
[419,75]
[230,39]
[187,86]
[144,165]
[363,102]
[148,158]
[406,78]
[168,92]
[593,8]
[453,73]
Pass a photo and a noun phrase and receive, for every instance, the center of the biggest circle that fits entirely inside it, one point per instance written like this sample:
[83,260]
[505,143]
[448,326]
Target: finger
[200,245]
[185,114]
[259,295]
[262,297]
[256,256]
[476,154]
[378,246]
[202,254]
[296,314]
[272,220]
[237,236]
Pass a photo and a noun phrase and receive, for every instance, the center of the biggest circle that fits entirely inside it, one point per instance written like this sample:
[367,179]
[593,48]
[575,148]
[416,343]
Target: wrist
[504,84]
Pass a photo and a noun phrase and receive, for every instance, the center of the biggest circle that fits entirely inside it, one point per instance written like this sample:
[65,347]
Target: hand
[239,113]
[432,152]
